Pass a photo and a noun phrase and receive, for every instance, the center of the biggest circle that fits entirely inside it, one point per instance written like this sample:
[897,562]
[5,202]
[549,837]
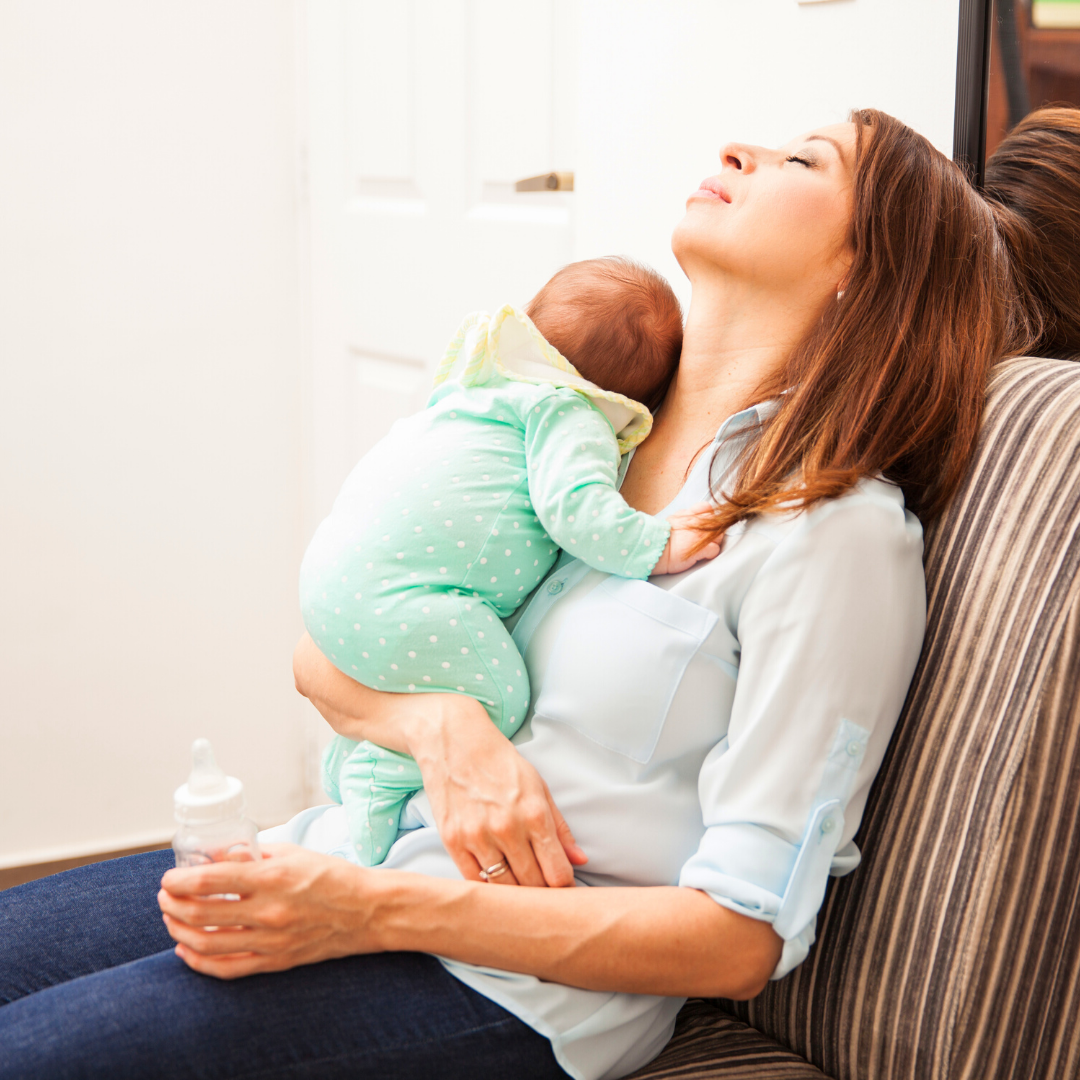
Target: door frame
[974,37]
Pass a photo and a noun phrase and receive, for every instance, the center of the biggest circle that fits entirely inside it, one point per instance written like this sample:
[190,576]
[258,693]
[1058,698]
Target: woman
[710,737]
[1033,177]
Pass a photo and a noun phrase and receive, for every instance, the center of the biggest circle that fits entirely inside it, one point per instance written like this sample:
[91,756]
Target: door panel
[448,104]
[421,115]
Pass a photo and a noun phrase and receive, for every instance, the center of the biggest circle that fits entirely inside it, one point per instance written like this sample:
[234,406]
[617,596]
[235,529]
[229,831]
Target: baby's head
[617,322]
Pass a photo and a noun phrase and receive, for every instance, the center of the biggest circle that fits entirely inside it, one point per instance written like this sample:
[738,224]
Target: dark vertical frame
[972,87]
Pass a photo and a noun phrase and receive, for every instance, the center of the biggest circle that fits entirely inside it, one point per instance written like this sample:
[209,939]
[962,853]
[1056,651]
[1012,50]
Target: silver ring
[492,872]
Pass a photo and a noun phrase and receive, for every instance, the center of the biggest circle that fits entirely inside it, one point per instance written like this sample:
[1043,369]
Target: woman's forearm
[359,712]
[666,940]
[489,803]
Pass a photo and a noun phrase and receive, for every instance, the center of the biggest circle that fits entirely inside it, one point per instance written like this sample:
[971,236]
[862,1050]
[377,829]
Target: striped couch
[953,952]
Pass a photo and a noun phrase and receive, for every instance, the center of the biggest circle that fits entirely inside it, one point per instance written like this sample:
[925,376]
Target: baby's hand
[686,535]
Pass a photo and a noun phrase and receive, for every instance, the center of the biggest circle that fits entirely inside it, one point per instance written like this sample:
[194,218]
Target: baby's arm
[573,461]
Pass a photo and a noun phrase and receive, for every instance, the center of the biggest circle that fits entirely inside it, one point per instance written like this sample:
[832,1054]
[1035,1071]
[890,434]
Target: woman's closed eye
[807,161]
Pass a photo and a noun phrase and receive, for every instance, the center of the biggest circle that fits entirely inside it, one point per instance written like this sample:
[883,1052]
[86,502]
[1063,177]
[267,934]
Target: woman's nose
[739,157]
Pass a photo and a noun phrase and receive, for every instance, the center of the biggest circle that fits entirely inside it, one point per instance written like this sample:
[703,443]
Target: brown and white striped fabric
[953,952]
[708,1042]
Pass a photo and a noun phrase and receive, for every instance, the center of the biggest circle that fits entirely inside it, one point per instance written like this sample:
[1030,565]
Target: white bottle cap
[209,795]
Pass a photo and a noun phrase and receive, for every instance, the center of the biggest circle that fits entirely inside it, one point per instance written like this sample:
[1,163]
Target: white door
[423,113]
[422,116]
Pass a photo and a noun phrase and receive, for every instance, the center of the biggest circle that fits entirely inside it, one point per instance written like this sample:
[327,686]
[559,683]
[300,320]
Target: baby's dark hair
[617,322]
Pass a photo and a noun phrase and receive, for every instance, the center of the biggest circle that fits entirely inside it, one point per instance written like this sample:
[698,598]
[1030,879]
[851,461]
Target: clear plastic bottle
[209,810]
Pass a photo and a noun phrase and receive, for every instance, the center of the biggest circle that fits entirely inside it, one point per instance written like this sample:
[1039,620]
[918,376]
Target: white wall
[664,85]
[150,385]
[165,444]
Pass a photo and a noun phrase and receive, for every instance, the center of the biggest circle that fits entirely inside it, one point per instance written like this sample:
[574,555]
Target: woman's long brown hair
[1033,178]
[892,378]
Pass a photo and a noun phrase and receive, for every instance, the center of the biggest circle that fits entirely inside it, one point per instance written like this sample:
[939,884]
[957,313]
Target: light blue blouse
[717,729]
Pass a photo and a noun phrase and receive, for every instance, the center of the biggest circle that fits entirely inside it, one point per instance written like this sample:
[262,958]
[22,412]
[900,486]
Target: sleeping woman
[698,748]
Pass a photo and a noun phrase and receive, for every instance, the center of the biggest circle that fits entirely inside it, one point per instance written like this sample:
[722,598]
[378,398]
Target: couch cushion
[710,1045]
[954,950]
[1020,1013]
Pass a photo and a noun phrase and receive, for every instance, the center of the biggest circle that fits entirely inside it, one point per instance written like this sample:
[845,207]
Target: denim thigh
[97,1011]
[81,921]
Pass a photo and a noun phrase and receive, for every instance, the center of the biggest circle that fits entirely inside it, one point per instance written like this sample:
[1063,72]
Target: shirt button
[828,825]
[555,587]
[854,748]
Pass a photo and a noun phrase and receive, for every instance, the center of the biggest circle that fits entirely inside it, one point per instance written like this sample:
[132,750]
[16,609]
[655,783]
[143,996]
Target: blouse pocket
[618,661]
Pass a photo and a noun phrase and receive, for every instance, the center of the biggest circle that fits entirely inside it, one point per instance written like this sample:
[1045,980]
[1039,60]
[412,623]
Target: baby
[447,525]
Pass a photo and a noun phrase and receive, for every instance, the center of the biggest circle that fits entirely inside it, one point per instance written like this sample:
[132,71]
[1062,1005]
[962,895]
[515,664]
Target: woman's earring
[839,295]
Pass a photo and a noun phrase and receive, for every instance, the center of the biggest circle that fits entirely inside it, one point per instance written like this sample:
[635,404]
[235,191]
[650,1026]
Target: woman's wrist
[427,722]
[407,912]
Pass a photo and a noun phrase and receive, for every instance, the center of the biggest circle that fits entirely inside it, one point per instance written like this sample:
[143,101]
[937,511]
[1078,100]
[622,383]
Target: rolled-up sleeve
[829,633]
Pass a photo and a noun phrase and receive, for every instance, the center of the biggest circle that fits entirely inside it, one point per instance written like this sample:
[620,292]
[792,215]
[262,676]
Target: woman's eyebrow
[828,139]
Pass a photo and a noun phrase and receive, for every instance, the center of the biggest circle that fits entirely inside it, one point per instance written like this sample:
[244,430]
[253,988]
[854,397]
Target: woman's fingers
[519,835]
[204,912]
[551,855]
[296,907]
[223,967]
[212,879]
[517,855]
[220,878]
[566,837]
[536,846]
[224,941]
[490,803]
[237,965]
[533,839]
[489,861]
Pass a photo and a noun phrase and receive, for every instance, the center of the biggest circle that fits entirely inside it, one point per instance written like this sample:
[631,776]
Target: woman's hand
[489,803]
[298,907]
[295,907]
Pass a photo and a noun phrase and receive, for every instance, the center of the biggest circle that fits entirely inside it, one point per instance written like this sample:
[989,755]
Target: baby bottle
[209,810]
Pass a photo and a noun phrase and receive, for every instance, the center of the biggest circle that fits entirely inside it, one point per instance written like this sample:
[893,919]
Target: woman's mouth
[711,190]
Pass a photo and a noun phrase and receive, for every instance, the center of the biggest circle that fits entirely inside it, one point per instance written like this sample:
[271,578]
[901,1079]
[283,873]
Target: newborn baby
[445,527]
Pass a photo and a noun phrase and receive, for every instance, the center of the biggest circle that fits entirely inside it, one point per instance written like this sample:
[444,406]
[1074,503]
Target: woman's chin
[694,247]
[685,238]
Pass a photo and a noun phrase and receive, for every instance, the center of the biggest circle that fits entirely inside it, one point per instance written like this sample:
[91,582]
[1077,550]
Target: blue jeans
[90,987]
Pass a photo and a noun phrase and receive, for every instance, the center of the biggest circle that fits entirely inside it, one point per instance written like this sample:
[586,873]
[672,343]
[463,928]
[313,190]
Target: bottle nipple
[206,776]
[209,795]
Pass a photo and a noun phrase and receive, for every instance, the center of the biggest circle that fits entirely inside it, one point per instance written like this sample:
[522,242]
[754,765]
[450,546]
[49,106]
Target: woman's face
[777,220]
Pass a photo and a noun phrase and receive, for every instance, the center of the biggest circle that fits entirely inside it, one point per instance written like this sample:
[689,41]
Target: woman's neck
[734,343]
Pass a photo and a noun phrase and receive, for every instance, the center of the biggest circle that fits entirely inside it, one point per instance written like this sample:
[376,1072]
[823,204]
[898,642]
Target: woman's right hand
[489,803]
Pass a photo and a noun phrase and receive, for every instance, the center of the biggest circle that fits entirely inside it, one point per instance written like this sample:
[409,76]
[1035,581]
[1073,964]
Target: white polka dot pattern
[388,566]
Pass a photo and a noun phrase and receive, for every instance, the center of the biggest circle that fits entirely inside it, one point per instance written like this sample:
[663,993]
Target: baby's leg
[464,648]
[374,784]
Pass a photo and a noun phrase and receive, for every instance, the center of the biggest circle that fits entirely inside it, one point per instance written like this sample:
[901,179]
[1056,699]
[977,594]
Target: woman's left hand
[299,907]
[295,907]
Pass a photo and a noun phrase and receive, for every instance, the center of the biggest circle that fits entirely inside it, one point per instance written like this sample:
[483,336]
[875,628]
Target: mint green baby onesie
[447,525]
